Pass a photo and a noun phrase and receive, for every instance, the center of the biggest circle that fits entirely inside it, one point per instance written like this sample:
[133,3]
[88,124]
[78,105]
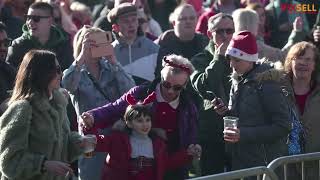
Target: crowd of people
[150,101]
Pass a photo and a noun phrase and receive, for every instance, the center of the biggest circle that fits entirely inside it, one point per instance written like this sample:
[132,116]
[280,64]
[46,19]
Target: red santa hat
[243,45]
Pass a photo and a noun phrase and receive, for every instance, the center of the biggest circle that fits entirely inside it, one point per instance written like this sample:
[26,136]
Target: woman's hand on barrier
[58,168]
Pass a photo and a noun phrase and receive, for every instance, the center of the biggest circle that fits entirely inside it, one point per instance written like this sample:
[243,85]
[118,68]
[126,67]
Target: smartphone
[103,44]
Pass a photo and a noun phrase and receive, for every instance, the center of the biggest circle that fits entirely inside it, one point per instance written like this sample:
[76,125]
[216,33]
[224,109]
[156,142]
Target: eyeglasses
[168,85]
[222,31]
[6,42]
[58,69]
[35,18]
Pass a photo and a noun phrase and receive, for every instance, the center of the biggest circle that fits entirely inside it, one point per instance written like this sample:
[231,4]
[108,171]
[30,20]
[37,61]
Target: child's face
[141,125]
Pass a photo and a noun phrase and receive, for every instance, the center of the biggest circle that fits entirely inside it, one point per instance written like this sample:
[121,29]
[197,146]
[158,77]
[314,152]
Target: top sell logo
[300,8]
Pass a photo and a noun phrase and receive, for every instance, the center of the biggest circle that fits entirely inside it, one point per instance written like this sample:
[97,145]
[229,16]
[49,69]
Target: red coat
[119,148]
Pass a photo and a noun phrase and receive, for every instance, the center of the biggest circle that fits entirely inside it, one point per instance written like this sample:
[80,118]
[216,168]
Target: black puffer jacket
[58,43]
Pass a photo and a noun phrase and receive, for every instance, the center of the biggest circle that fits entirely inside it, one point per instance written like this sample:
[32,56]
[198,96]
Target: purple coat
[106,115]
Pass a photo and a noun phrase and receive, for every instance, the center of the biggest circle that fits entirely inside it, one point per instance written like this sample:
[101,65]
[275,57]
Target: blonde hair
[246,20]
[78,38]
[178,60]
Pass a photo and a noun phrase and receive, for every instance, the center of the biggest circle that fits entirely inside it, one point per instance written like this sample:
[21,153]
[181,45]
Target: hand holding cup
[231,131]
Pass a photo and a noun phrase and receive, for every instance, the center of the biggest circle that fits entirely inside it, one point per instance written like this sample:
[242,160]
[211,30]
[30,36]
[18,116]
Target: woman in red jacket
[136,151]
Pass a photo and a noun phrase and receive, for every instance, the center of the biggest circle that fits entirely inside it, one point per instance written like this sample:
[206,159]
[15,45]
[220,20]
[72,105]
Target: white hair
[246,19]
[178,60]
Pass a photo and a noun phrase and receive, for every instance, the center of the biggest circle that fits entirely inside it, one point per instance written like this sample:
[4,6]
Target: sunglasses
[222,31]
[6,42]
[168,85]
[35,18]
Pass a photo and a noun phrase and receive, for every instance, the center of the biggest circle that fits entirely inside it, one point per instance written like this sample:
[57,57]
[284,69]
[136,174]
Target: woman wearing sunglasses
[36,142]
[173,108]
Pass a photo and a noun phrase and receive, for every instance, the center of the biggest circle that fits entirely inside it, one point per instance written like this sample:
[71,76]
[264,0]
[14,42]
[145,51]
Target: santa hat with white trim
[243,45]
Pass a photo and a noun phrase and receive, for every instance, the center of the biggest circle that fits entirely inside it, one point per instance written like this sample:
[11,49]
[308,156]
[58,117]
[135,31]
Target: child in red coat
[137,152]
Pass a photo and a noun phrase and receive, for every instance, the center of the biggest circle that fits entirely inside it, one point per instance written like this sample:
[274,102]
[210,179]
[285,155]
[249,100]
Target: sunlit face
[128,26]
[4,43]
[38,22]
[172,85]
[303,66]
[240,66]
[186,21]
[223,31]
[141,125]
[55,82]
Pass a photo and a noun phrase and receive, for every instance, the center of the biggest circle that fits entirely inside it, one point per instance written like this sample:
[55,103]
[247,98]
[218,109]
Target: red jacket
[118,146]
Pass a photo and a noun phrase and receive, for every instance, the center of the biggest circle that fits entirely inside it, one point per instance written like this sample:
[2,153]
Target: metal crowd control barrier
[241,174]
[301,158]
[267,173]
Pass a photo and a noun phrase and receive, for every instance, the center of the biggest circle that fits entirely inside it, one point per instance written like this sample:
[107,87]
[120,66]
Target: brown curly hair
[298,50]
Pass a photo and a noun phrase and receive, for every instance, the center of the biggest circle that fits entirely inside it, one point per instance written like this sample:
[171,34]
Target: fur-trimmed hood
[263,71]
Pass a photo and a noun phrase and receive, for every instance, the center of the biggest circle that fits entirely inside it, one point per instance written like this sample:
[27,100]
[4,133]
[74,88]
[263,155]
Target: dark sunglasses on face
[167,85]
[6,42]
[227,31]
[35,18]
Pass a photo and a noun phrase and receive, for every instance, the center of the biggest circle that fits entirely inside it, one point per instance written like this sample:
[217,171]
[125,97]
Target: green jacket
[58,43]
[211,77]
[34,129]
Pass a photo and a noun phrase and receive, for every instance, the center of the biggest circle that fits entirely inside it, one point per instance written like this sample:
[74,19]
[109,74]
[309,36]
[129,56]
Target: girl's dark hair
[136,111]
[36,71]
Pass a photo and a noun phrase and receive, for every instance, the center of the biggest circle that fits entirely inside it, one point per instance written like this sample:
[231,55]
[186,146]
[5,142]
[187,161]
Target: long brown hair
[298,50]
[37,69]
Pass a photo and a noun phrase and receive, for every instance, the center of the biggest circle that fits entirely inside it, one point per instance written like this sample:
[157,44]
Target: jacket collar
[42,102]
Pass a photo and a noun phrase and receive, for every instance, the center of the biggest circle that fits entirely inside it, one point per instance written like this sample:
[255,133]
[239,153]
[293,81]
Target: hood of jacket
[56,37]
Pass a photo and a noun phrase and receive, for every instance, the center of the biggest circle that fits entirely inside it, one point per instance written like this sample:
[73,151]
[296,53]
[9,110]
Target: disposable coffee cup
[89,148]
[230,122]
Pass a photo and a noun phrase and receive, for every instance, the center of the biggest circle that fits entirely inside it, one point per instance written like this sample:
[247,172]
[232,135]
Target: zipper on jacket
[265,155]
[130,58]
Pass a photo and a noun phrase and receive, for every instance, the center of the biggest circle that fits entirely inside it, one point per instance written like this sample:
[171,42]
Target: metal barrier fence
[267,173]
[301,158]
[241,174]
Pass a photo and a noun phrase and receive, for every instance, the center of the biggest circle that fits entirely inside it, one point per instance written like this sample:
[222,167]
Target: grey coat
[263,119]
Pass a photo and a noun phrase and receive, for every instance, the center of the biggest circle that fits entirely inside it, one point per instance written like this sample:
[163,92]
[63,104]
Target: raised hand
[298,24]
[316,34]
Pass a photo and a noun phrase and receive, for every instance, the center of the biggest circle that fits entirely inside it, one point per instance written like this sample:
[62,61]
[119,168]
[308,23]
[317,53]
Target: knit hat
[243,45]
[121,10]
